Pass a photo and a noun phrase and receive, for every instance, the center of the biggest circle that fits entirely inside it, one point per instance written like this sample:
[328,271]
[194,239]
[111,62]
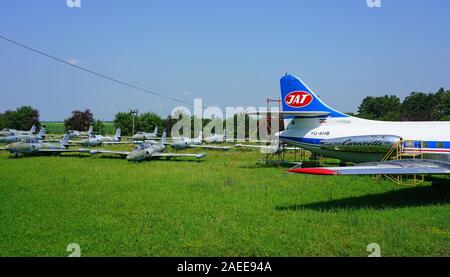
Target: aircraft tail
[118,133]
[163,137]
[65,141]
[42,132]
[296,96]
[155,132]
[33,129]
[91,129]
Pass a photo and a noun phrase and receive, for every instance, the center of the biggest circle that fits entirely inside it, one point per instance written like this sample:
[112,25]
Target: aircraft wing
[121,153]
[292,148]
[117,142]
[211,147]
[250,146]
[2,148]
[81,150]
[198,156]
[148,141]
[397,167]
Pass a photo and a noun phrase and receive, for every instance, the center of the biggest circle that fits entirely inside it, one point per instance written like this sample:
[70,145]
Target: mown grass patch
[224,205]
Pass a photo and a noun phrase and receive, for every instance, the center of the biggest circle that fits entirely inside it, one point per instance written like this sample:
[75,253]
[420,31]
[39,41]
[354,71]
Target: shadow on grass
[407,197]
[50,155]
[154,159]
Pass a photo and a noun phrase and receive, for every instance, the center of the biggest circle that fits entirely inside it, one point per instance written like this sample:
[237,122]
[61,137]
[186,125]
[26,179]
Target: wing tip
[313,171]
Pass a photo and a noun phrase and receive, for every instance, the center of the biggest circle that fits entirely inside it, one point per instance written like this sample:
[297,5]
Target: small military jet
[185,142]
[145,151]
[142,136]
[16,137]
[272,148]
[12,132]
[75,133]
[95,140]
[32,146]
[215,138]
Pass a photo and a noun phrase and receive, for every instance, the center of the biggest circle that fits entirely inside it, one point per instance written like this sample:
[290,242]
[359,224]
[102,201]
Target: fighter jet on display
[185,142]
[75,133]
[142,136]
[145,151]
[13,132]
[95,140]
[215,138]
[11,138]
[32,146]
[272,148]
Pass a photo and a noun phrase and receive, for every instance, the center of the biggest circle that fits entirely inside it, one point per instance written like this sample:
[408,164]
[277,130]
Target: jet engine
[367,144]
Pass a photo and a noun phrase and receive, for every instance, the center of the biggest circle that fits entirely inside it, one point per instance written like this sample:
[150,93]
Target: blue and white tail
[33,129]
[297,97]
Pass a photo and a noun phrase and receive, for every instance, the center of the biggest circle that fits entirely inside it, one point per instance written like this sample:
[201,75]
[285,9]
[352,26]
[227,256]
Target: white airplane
[142,136]
[185,142]
[95,140]
[75,133]
[314,126]
[14,132]
[215,138]
[272,148]
[147,151]
[33,146]
[20,135]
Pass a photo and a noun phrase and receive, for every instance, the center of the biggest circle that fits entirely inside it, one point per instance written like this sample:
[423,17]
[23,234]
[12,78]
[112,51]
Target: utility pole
[134,113]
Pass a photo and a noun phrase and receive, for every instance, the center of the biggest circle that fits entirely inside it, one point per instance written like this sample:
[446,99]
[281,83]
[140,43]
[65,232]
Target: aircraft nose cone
[130,157]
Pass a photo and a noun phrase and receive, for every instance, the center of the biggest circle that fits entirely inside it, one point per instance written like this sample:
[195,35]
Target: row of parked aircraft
[28,143]
[311,125]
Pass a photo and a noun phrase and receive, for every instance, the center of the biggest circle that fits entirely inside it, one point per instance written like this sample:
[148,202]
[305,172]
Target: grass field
[225,205]
[58,127]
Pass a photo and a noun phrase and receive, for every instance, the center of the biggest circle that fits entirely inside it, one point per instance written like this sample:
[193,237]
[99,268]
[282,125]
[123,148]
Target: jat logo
[298,99]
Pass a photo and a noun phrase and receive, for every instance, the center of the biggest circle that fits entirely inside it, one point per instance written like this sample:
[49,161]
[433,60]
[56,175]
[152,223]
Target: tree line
[418,106]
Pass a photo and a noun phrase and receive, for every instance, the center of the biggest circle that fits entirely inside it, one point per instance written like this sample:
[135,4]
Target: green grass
[57,128]
[225,205]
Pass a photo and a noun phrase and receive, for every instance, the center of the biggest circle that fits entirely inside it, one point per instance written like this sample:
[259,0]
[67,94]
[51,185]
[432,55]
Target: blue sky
[230,53]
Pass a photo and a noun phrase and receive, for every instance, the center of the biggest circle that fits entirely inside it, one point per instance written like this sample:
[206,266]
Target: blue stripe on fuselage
[425,144]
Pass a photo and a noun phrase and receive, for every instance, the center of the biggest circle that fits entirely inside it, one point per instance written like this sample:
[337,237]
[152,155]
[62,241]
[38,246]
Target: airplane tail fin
[33,129]
[155,132]
[91,129]
[118,133]
[163,137]
[296,96]
[42,131]
[65,141]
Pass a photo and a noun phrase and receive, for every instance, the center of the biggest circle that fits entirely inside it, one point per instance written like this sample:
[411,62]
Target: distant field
[57,128]
[225,205]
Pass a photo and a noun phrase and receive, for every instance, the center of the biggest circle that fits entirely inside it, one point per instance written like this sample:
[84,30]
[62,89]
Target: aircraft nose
[130,157]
